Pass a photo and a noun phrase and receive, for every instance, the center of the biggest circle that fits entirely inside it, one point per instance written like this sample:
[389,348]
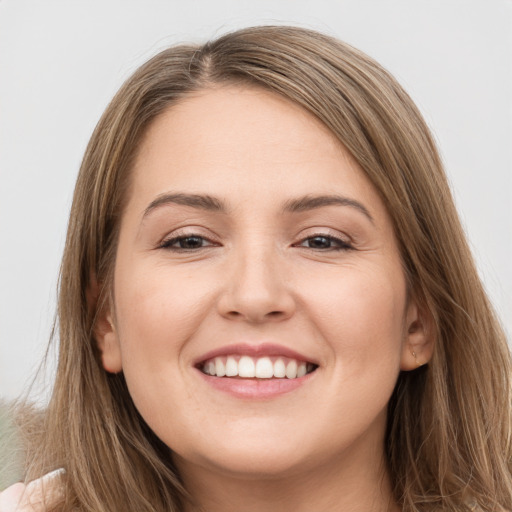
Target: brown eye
[325,243]
[190,242]
[319,242]
[185,243]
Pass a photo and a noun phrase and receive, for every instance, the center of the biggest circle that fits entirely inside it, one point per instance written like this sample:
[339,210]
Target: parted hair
[448,439]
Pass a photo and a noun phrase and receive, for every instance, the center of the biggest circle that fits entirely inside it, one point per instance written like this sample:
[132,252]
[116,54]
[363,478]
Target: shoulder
[37,496]
[11,497]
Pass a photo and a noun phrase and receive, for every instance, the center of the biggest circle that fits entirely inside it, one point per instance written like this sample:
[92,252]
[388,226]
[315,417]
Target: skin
[261,275]
[38,496]
[257,277]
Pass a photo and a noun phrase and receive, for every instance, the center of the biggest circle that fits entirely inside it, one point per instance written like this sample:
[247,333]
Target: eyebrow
[310,202]
[199,201]
[301,204]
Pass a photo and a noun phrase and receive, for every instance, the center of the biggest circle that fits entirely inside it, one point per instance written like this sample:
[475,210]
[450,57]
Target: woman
[267,301]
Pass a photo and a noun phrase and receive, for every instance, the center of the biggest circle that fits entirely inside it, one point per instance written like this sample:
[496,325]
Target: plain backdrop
[62,61]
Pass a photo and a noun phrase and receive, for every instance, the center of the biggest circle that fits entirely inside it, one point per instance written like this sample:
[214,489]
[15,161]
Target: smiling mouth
[247,367]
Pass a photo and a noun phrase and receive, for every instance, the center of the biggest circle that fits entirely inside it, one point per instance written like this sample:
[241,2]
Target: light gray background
[61,62]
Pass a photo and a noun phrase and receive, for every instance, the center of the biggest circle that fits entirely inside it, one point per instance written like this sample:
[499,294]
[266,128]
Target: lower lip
[255,388]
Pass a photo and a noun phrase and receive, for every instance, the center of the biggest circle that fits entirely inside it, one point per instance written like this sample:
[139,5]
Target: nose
[256,290]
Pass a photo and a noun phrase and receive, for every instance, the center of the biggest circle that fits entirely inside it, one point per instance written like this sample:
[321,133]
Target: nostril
[255,317]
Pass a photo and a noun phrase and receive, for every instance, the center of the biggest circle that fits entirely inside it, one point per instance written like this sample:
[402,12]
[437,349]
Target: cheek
[166,304]
[360,315]
[360,319]
[157,313]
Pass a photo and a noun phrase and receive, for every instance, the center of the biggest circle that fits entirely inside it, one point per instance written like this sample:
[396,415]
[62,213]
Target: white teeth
[291,369]
[301,370]
[264,368]
[246,367]
[231,367]
[279,369]
[220,369]
[260,368]
[210,368]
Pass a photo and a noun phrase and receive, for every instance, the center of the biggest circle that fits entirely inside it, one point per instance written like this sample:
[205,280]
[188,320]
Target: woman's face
[252,244]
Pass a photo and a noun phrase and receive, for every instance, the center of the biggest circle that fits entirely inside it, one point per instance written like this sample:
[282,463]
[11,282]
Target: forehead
[242,143]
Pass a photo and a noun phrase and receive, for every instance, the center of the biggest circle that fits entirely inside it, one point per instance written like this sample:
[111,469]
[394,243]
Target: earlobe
[104,331]
[108,343]
[418,345]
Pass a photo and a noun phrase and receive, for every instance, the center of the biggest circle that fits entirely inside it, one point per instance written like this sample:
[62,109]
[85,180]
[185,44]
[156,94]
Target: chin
[255,456]
[256,465]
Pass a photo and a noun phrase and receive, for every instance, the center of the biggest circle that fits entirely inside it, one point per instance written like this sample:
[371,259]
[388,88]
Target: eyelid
[187,232]
[325,231]
[344,241]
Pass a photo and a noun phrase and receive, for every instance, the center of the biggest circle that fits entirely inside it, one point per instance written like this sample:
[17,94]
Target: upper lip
[254,350]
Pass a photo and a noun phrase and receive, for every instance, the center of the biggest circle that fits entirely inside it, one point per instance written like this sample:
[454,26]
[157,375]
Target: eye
[186,243]
[325,243]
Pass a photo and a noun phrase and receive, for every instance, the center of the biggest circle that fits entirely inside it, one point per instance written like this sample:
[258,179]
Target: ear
[104,330]
[419,338]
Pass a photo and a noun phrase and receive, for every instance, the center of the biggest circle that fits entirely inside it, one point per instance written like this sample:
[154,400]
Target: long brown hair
[449,429]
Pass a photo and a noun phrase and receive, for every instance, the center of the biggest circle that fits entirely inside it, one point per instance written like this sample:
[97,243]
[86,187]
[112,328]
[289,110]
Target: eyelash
[342,244]
[168,244]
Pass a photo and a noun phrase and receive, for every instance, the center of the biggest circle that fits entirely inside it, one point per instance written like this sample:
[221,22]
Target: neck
[348,485]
